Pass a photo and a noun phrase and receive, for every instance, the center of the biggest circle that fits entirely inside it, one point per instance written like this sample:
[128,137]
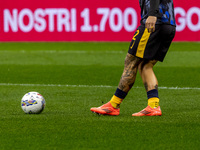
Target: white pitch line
[97,86]
[53,85]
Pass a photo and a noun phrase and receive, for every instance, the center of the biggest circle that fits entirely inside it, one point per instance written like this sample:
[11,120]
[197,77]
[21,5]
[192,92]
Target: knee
[131,60]
[146,65]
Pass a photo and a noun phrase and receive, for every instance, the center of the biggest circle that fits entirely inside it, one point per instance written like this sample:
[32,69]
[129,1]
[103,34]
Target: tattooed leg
[129,74]
[146,72]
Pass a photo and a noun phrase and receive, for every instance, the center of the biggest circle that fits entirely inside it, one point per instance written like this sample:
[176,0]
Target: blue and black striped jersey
[163,9]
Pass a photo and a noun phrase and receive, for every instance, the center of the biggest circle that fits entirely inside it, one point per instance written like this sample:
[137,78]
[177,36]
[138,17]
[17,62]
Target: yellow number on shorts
[137,32]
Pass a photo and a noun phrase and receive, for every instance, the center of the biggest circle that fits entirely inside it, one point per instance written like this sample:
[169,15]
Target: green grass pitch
[73,77]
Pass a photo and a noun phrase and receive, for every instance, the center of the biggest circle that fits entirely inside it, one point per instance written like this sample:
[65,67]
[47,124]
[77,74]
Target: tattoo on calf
[146,86]
[156,87]
[129,74]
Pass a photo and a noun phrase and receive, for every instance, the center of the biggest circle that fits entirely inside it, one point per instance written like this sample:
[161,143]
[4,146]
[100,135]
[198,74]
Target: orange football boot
[106,109]
[148,111]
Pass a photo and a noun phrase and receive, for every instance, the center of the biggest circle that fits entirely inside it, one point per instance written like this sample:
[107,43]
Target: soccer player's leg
[156,49]
[126,82]
[151,86]
[127,79]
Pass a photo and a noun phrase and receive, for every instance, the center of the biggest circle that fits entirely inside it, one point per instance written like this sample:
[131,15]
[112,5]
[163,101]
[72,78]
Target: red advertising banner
[187,14]
[89,20]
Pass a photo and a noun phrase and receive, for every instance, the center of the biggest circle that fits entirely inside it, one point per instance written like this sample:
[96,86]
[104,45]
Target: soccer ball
[33,103]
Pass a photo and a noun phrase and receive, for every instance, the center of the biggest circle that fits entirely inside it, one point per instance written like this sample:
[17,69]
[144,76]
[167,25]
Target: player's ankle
[117,98]
[153,99]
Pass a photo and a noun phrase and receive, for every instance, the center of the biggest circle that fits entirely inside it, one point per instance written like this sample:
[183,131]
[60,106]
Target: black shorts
[152,46]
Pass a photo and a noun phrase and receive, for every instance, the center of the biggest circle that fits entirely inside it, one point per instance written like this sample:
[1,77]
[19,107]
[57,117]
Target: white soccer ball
[33,103]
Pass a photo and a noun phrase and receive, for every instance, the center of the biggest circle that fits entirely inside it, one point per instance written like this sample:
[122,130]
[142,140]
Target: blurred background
[89,20]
